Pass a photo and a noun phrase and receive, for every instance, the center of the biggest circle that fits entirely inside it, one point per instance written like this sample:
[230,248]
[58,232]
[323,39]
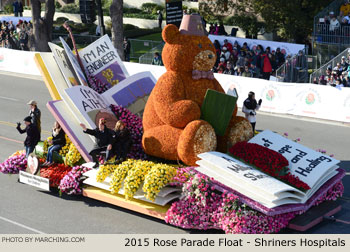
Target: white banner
[310,100]
[15,20]
[18,61]
[286,48]
[36,181]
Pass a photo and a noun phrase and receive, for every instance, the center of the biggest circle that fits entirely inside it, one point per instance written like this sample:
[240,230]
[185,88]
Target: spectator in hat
[33,136]
[35,114]
[334,25]
[103,137]
[250,106]
[225,53]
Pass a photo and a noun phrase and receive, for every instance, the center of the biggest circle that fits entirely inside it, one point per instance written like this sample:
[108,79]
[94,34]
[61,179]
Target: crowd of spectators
[335,29]
[15,36]
[240,60]
[339,76]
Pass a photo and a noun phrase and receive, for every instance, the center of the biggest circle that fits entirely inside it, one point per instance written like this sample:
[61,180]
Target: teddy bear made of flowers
[171,120]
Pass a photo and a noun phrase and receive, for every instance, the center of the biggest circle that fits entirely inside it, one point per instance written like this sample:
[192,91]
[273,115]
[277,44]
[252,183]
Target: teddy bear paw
[242,131]
[204,140]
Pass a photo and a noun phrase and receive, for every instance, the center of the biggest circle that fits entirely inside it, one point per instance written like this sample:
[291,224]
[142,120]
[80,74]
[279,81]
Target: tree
[292,20]
[42,26]
[116,11]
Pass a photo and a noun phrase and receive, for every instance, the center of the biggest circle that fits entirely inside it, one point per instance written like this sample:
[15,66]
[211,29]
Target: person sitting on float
[57,142]
[121,142]
[103,137]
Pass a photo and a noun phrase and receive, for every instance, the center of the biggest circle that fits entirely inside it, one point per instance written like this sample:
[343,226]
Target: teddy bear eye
[200,45]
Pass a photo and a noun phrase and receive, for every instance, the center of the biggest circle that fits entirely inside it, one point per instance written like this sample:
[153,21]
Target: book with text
[311,167]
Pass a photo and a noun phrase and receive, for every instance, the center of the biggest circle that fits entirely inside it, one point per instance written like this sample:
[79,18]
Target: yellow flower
[104,171]
[157,178]
[135,177]
[119,175]
[73,156]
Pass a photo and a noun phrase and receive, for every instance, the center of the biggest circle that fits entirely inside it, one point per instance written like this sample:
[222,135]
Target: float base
[135,205]
[314,216]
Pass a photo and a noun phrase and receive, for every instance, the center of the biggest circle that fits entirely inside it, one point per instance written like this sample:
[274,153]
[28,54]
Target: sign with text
[101,60]
[173,12]
[309,165]
[36,181]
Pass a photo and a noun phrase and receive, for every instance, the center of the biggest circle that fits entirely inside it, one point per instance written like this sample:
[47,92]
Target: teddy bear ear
[170,33]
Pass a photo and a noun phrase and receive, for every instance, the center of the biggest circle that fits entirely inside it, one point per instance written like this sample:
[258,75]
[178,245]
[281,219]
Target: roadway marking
[8,98]
[15,125]
[21,225]
[12,140]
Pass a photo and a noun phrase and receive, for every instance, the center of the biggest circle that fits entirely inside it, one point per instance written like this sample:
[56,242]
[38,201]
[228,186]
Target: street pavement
[25,209]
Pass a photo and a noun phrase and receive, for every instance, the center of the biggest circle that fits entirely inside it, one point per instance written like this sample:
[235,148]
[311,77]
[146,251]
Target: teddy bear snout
[204,61]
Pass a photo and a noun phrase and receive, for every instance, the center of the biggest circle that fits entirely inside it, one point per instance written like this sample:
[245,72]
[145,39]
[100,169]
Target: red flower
[268,161]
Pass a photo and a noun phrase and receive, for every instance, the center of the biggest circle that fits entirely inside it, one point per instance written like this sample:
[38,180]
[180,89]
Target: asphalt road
[24,209]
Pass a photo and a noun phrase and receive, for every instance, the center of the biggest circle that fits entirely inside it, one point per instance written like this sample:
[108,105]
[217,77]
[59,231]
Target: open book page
[255,184]
[74,62]
[308,165]
[70,125]
[91,105]
[60,84]
[132,93]
[60,58]
[101,60]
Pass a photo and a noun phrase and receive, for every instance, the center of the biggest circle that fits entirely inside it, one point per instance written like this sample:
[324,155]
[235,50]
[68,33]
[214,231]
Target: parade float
[188,165]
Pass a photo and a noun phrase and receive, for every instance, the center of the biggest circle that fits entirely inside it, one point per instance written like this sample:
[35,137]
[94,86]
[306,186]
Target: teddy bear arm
[178,114]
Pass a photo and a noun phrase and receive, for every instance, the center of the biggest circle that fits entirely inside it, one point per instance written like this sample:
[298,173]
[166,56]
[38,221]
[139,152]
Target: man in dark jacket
[32,138]
[160,18]
[35,114]
[103,137]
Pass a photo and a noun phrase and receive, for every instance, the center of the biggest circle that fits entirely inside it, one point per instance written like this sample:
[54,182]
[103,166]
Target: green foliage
[8,9]
[60,20]
[148,7]
[70,8]
[131,10]
[291,20]
[140,32]
[248,23]
[128,27]
[57,5]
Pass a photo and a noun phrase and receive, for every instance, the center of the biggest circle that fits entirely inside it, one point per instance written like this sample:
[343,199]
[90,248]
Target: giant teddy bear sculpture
[171,120]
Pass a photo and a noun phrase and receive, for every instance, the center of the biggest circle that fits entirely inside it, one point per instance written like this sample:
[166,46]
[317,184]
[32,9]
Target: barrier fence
[295,69]
[317,101]
[332,63]
[137,47]
[300,99]
[325,34]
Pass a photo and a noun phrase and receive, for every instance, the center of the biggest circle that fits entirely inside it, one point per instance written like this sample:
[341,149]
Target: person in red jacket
[266,66]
